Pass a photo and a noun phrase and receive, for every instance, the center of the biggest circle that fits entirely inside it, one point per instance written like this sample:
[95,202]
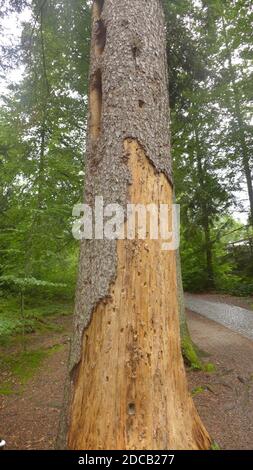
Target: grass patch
[209,367]
[23,366]
[38,317]
[6,388]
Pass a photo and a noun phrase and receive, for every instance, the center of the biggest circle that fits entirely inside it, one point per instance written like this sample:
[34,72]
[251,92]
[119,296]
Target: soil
[29,419]
[226,396]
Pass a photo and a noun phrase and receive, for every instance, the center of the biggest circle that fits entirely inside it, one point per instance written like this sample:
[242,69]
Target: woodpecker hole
[131,409]
[136,47]
[135,51]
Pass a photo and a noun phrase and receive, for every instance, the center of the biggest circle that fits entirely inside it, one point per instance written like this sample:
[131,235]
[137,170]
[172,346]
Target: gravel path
[236,318]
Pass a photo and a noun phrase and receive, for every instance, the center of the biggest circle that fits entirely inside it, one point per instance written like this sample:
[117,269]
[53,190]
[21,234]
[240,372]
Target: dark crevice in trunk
[136,50]
[100,37]
[100,5]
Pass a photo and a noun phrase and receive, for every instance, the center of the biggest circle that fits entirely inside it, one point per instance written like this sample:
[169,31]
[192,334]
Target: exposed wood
[130,390]
[95,106]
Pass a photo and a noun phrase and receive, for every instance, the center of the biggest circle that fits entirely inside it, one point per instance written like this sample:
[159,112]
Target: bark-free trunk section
[127,382]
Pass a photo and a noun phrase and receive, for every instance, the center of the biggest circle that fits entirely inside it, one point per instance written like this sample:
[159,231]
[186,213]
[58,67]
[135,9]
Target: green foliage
[42,127]
[38,316]
[231,261]
[26,283]
[209,72]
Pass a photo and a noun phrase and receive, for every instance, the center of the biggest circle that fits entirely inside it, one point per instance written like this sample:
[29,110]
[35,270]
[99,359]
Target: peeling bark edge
[135,104]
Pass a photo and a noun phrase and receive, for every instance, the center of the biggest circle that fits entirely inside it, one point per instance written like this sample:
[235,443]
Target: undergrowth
[38,317]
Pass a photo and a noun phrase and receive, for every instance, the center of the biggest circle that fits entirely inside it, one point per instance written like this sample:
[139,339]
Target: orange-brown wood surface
[131,390]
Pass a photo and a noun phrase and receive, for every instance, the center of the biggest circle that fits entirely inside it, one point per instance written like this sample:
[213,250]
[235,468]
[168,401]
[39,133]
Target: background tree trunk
[128,388]
[189,351]
[205,219]
[246,164]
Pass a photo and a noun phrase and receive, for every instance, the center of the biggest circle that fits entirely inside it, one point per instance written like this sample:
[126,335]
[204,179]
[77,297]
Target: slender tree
[238,116]
[128,388]
[229,27]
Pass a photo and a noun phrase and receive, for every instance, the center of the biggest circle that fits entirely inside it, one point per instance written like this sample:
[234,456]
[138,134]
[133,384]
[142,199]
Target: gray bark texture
[133,68]
[128,72]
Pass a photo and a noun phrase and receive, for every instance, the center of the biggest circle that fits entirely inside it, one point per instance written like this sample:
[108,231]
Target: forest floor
[224,398]
[31,387]
[31,393]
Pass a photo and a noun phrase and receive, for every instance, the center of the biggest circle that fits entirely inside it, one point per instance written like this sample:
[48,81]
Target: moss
[209,367]
[6,389]
[191,355]
[197,390]
[215,446]
[23,366]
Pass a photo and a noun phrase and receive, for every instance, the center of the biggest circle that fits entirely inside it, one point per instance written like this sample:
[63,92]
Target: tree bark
[209,254]
[128,388]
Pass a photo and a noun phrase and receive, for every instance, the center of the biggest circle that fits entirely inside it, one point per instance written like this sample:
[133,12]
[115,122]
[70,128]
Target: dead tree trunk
[128,386]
